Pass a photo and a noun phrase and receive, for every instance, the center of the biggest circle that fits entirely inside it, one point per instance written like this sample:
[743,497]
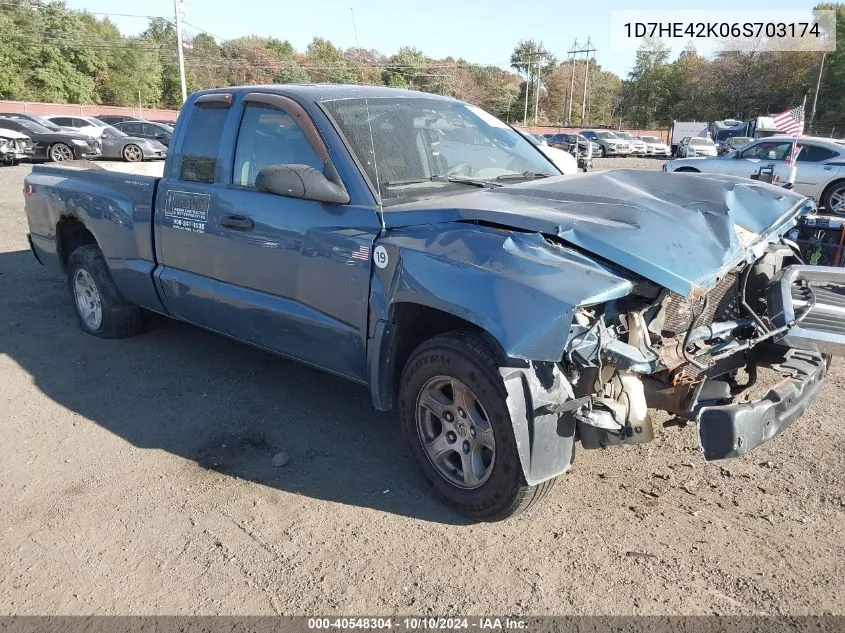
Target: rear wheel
[101,309]
[453,410]
[60,152]
[133,154]
[834,198]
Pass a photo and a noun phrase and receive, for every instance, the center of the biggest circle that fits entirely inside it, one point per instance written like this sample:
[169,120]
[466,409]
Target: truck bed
[115,206]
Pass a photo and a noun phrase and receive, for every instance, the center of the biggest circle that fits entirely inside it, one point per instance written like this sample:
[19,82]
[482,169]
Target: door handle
[236,222]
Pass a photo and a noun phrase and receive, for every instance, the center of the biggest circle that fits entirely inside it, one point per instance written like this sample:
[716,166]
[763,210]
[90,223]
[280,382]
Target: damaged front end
[657,349]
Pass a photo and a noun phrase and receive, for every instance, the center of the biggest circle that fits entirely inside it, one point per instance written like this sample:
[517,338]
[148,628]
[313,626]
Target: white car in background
[696,146]
[637,146]
[563,160]
[87,125]
[820,172]
[655,147]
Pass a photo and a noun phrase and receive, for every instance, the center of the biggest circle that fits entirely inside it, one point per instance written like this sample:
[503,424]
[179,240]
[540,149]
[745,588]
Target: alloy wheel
[455,432]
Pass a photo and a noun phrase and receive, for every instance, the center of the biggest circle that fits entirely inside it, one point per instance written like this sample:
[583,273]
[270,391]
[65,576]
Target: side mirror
[300,181]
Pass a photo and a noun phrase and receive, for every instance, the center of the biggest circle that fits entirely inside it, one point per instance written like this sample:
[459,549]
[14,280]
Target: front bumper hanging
[733,430]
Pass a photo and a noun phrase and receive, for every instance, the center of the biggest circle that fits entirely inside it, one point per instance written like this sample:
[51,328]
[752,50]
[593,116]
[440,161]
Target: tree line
[51,53]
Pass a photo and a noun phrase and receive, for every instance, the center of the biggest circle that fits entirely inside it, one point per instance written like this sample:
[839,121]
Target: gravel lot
[135,477]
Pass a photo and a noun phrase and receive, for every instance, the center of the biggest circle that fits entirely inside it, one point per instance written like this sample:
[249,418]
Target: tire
[100,308]
[603,152]
[497,489]
[132,153]
[59,152]
[834,192]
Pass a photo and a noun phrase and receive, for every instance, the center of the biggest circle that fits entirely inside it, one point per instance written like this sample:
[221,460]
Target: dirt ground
[136,478]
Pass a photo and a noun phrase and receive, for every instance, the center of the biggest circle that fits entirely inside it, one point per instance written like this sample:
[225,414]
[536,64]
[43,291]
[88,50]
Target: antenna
[370,126]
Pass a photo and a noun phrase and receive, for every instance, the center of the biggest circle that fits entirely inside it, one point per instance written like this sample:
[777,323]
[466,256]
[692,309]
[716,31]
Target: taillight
[28,190]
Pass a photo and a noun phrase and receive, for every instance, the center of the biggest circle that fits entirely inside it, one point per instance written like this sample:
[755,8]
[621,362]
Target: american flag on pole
[791,121]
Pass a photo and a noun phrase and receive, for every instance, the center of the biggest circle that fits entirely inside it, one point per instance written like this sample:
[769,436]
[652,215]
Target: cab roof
[330,92]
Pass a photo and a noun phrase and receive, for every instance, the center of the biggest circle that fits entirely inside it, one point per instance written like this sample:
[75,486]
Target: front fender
[517,287]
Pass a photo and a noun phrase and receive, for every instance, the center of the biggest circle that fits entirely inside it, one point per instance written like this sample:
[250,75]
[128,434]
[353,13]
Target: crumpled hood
[682,231]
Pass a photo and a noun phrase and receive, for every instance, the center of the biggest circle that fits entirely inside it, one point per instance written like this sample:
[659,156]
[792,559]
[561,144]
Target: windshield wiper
[475,182]
[526,175]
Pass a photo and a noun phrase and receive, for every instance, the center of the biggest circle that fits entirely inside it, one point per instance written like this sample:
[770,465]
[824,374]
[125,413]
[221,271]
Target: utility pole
[816,95]
[527,83]
[571,83]
[537,94]
[176,9]
[588,48]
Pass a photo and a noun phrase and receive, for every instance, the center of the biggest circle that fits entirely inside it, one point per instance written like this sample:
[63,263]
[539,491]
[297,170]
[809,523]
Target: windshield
[650,139]
[624,135]
[606,135]
[33,127]
[421,147]
[46,123]
[113,131]
[700,141]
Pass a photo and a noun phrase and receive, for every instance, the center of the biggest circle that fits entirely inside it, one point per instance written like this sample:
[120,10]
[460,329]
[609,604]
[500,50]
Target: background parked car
[53,145]
[114,119]
[40,120]
[609,144]
[655,146]
[732,143]
[14,147]
[820,166]
[637,146]
[84,124]
[147,129]
[117,144]
[696,146]
[562,159]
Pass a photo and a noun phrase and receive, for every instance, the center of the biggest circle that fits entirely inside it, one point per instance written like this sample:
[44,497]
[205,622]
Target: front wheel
[603,152]
[101,309]
[60,152]
[453,411]
[132,154]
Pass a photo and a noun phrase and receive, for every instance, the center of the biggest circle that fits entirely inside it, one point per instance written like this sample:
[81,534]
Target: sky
[483,32]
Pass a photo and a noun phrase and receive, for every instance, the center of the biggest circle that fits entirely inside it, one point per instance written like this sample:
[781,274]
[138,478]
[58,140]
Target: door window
[769,151]
[269,136]
[131,128]
[63,120]
[815,154]
[201,144]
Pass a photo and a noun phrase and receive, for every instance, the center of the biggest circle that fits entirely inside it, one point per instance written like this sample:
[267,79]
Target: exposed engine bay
[656,349]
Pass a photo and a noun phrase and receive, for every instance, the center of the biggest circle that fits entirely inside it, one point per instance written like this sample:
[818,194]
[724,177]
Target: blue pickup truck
[419,246]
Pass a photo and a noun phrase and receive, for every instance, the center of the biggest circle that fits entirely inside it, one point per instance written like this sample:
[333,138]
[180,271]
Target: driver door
[763,154]
[287,274]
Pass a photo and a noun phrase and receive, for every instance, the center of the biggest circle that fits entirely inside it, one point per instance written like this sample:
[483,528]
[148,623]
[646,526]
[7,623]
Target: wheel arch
[71,233]
[411,324]
[686,169]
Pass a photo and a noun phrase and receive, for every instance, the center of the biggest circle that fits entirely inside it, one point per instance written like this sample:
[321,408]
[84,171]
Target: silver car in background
[609,144]
[114,143]
[696,146]
[820,172]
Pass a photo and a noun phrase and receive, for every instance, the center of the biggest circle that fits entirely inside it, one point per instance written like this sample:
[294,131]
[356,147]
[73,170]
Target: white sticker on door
[380,256]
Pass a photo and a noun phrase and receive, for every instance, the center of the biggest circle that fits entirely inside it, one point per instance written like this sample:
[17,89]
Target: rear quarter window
[202,143]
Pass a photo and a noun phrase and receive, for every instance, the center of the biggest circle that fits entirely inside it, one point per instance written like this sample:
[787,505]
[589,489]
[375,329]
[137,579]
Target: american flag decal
[362,253]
